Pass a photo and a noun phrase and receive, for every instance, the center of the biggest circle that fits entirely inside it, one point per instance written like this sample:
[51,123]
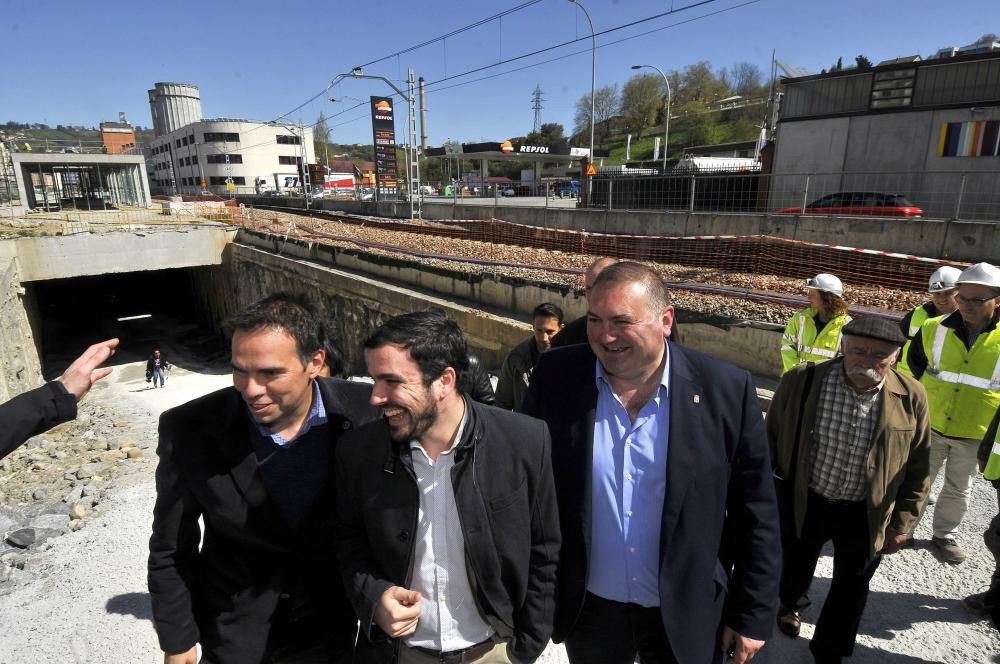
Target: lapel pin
[696,398]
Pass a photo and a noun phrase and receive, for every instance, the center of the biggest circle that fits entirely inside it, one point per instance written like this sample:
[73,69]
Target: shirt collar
[601,378]
[316,416]
[415,444]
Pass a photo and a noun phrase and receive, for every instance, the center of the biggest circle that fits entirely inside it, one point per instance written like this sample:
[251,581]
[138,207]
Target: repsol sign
[537,149]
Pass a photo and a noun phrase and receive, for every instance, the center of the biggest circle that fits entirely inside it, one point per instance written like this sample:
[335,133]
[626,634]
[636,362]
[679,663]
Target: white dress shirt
[449,619]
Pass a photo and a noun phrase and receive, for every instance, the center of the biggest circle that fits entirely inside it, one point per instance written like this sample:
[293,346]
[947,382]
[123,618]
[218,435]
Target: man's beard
[417,422]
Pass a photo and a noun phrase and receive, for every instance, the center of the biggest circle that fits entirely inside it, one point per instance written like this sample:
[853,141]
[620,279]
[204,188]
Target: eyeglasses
[978,301]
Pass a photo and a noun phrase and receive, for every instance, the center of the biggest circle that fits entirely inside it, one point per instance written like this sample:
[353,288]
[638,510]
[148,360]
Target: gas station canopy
[501,150]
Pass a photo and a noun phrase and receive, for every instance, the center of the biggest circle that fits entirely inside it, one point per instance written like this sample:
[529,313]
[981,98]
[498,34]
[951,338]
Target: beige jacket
[898,459]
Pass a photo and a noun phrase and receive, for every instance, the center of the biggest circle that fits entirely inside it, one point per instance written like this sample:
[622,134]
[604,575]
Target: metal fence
[70,147]
[937,194]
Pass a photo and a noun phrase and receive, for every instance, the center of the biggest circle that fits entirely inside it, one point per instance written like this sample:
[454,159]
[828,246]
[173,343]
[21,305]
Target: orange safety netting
[754,254]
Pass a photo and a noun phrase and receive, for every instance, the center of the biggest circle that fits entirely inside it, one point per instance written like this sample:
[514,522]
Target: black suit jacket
[506,503]
[252,571]
[720,550]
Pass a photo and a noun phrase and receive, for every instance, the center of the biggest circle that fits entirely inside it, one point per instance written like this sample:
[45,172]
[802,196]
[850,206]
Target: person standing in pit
[813,334]
[156,368]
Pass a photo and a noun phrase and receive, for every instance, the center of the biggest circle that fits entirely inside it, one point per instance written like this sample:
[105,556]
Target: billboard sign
[384,139]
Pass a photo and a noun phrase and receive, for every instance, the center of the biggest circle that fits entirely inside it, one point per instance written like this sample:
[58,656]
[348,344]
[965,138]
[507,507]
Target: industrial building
[191,154]
[928,130]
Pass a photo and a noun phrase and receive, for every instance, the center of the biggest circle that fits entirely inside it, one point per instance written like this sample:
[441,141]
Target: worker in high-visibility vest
[957,358]
[988,601]
[813,334]
[943,289]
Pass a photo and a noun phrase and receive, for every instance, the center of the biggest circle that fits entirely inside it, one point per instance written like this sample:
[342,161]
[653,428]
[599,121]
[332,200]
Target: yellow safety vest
[802,343]
[992,470]
[963,385]
[918,318]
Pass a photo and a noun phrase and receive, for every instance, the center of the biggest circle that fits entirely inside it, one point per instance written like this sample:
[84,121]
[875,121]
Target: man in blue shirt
[671,547]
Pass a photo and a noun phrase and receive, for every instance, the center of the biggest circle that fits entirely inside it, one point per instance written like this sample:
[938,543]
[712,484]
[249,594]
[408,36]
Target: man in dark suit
[448,534]
[671,545]
[254,462]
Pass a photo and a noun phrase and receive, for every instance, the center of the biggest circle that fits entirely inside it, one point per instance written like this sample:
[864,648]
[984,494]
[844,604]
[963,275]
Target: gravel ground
[423,240]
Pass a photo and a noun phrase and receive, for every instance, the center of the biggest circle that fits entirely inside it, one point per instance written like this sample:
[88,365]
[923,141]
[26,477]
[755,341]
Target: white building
[206,155]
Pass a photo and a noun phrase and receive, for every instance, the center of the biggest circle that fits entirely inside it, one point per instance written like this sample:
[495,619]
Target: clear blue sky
[81,63]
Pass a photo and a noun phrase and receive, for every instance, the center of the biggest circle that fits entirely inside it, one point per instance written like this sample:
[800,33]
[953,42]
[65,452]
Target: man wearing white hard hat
[943,288]
[957,358]
[813,334]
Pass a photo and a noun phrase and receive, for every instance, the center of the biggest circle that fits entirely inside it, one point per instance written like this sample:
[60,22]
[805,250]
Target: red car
[866,203]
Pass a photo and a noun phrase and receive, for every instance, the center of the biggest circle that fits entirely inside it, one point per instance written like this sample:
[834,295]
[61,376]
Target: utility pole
[423,115]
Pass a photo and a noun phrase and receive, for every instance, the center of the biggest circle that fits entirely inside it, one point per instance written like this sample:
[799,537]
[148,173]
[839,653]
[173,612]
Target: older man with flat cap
[850,442]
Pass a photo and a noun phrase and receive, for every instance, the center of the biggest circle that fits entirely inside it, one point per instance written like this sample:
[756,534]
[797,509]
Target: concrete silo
[174,105]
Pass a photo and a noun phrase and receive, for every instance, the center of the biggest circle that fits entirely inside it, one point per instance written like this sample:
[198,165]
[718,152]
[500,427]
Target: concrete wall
[20,367]
[145,248]
[753,346]
[971,241]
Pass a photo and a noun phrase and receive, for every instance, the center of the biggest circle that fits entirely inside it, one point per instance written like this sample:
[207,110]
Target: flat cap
[875,328]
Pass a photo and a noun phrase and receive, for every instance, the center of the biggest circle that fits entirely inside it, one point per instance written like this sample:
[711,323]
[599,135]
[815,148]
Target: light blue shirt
[317,416]
[629,481]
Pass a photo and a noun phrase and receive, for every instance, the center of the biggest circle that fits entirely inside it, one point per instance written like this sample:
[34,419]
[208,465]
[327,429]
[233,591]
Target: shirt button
[628,476]
[631,549]
[634,579]
[629,513]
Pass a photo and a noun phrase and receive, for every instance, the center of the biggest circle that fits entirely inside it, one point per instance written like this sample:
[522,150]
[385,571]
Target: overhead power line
[457,31]
[538,51]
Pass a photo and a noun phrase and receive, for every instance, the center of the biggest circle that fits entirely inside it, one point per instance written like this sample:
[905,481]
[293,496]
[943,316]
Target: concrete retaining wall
[20,367]
[352,304]
[971,241]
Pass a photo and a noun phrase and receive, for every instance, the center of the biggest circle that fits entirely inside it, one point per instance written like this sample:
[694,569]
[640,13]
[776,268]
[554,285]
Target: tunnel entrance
[145,310]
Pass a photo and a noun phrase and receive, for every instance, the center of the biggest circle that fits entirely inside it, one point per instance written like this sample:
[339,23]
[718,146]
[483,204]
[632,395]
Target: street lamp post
[666,116]
[593,74]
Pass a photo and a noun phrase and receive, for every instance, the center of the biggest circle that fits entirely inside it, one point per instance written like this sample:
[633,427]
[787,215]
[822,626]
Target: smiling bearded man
[446,510]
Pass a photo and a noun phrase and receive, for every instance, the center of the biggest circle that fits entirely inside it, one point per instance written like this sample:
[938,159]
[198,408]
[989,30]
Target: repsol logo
[539,149]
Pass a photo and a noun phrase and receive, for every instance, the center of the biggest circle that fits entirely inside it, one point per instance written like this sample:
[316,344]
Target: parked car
[509,191]
[866,203]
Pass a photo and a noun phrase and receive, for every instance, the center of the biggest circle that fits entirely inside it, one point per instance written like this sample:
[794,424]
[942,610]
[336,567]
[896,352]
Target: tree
[550,134]
[606,105]
[839,65]
[321,137]
[642,97]
[746,78]
[697,123]
[699,83]
[988,38]
[863,63]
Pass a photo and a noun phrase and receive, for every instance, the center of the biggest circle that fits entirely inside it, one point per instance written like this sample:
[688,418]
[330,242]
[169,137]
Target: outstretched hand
[85,371]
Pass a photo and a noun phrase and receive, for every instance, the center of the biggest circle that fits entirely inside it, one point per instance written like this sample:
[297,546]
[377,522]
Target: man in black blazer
[254,463]
[448,534]
[671,546]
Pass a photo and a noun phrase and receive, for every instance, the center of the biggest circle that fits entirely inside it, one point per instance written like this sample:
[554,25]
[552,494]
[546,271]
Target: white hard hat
[943,279]
[826,282]
[981,273]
